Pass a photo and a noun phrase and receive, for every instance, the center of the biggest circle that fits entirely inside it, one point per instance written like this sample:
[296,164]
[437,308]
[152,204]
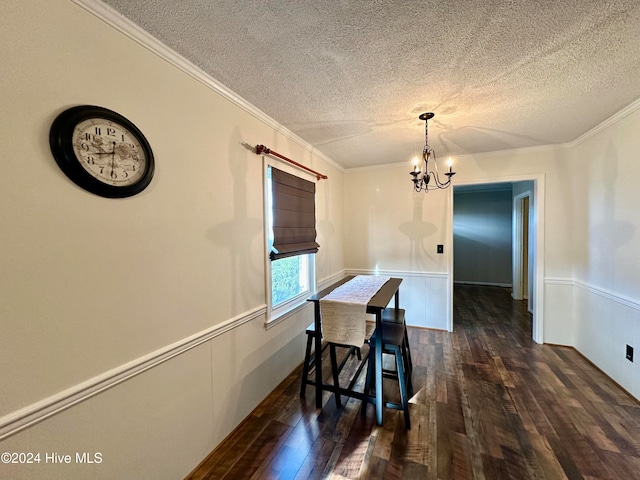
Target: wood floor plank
[265,446]
[420,440]
[356,445]
[488,404]
[397,459]
[316,461]
[222,459]
[413,471]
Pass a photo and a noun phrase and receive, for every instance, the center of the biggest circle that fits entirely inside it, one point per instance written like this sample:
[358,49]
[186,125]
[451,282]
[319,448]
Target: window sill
[284,313]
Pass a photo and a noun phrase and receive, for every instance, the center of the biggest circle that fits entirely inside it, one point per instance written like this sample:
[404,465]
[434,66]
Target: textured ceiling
[351,77]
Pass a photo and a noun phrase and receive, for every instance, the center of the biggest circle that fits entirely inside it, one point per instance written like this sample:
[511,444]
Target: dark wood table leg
[318,355]
[378,360]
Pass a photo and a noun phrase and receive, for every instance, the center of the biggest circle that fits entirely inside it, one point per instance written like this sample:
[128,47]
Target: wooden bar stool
[389,315]
[310,359]
[393,342]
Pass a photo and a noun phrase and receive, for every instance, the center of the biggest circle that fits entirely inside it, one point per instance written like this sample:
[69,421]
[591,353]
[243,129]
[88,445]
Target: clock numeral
[84,146]
[98,131]
[126,175]
[122,137]
[114,175]
[91,160]
[89,136]
[111,132]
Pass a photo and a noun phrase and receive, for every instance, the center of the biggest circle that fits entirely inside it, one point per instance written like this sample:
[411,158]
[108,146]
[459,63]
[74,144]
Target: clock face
[101,151]
[109,152]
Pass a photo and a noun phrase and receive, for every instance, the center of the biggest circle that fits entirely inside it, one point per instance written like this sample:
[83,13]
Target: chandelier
[425,179]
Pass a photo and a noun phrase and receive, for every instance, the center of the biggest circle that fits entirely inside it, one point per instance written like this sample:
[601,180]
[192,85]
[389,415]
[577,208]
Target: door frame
[518,245]
[536,219]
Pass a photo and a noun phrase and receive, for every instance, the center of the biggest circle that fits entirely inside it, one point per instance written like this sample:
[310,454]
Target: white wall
[607,263]
[164,291]
[390,229]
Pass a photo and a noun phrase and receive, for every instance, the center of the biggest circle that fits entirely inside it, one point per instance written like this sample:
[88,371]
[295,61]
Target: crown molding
[613,119]
[131,30]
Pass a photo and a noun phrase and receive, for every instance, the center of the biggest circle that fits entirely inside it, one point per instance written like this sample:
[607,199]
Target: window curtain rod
[261,149]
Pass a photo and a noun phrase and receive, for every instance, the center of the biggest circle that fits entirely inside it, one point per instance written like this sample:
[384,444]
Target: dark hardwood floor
[489,404]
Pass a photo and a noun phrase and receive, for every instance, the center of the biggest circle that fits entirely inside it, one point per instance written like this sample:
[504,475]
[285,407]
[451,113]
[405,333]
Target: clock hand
[113,160]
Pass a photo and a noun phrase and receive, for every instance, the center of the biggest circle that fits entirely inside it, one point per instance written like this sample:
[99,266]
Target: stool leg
[334,369]
[408,350]
[406,354]
[306,366]
[368,379]
[400,367]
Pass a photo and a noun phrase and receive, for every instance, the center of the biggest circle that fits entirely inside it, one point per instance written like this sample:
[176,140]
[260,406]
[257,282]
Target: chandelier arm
[438,182]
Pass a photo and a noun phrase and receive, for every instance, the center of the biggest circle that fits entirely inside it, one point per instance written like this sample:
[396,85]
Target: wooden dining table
[377,303]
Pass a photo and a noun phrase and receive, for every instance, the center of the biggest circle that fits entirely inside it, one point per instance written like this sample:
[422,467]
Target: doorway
[533,284]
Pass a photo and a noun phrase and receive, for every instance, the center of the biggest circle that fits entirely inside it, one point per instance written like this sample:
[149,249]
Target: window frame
[276,314]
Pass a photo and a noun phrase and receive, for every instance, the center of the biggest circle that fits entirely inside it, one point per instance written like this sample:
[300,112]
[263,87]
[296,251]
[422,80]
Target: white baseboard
[485,284]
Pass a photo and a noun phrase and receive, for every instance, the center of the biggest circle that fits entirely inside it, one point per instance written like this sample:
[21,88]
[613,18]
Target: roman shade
[294,215]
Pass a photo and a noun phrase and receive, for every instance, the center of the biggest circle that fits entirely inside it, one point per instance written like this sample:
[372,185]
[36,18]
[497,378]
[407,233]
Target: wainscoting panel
[559,313]
[179,407]
[249,362]
[131,429]
[606,324]
[422,294]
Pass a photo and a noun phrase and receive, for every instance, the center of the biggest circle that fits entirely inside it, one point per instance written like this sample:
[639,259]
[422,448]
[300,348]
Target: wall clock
[101,151]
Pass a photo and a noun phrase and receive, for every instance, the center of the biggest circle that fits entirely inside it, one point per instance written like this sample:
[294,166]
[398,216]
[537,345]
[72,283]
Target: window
[290,216]
[289,278]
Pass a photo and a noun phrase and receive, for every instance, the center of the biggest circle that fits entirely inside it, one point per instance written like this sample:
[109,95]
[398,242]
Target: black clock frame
[61,143]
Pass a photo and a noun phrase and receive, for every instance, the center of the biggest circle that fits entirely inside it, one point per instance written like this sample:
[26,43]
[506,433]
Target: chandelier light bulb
[415,164]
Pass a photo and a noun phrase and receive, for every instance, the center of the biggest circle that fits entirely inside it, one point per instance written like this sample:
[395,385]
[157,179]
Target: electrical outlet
[630,353]
[440,248]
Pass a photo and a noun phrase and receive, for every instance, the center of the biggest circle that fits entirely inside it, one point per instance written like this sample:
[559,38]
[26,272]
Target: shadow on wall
[416,231]
[607,235]
[326,230]
[238,234]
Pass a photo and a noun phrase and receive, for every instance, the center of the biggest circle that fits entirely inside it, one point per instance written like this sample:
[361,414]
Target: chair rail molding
[396,273]
[30,415]
[601,292]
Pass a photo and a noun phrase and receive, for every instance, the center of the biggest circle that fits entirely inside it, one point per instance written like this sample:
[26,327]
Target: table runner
[343,310]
